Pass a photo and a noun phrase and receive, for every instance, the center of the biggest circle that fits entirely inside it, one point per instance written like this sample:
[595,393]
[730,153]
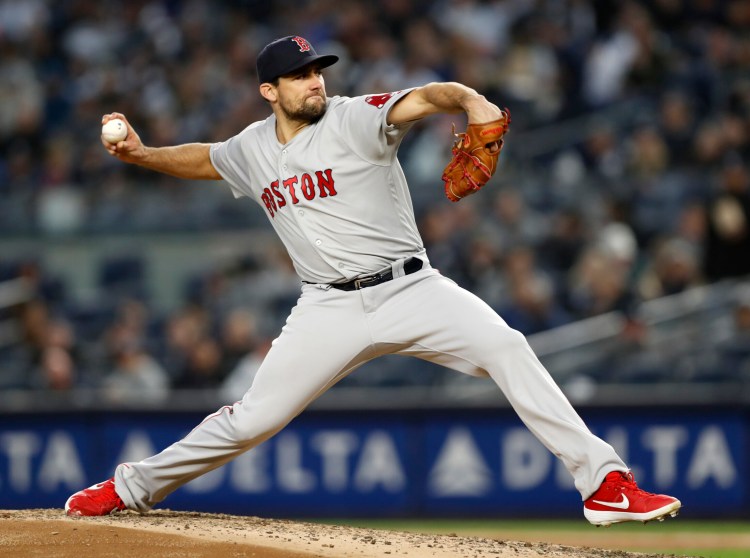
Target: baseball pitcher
[325,172]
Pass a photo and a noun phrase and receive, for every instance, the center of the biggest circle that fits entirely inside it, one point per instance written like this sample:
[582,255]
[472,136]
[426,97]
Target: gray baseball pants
[330,333]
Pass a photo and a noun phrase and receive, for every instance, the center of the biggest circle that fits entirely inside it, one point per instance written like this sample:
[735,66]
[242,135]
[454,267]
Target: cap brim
[322,60]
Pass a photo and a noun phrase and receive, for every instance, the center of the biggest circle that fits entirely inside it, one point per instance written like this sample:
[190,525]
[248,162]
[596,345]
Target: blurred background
[616,236]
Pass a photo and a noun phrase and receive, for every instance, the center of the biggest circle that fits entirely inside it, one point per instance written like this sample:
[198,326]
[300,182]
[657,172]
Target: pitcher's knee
[504,343]
[515,340]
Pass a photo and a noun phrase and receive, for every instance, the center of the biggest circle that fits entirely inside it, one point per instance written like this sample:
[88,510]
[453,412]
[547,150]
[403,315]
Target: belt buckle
[365,281]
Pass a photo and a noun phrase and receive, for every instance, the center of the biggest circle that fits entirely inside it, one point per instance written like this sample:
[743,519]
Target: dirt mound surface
[165,533]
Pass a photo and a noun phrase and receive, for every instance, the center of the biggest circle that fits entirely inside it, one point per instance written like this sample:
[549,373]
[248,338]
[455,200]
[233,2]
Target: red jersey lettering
[320,184]
[308,188]
[325,183]
[279,197]
[268,201]
[289,185]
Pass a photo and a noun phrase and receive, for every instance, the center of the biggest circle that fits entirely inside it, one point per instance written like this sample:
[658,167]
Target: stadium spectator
[734,351]
[238,338]
[598,284]
[183,331]
[728,236]
[532,307]
[202,367]
[236,384]
[56,371]
[136,378]
[642,107]
[674,268]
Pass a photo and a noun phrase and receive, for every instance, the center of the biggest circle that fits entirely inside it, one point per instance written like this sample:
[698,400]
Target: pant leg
[324,338]
[429,316]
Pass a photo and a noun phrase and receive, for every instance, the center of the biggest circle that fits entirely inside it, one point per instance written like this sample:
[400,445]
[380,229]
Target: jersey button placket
[283,160]
[284,173]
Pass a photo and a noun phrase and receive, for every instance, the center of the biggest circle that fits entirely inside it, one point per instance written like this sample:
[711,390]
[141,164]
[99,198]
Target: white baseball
[115,130]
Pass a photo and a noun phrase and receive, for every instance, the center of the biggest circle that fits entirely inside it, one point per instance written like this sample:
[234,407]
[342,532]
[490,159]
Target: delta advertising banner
[421,463]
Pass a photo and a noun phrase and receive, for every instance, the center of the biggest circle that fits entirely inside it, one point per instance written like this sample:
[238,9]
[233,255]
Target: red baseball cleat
[619,499]
[100,499]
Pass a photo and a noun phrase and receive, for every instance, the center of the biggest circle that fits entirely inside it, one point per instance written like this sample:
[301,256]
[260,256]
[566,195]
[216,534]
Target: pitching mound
[164,533]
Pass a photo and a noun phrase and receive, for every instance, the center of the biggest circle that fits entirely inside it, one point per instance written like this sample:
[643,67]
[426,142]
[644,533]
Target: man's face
[302,94]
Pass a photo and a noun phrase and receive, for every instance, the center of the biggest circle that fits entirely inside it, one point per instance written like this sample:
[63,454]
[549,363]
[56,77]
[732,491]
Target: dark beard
[306,113]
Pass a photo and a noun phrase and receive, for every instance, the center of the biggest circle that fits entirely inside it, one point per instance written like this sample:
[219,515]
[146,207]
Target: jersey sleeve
[366,128]
[231,161]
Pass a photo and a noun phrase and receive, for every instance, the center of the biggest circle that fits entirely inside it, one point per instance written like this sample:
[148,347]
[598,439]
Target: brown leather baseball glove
[475,156]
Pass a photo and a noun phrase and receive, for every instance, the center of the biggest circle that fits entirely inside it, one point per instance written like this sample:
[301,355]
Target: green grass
[705,539]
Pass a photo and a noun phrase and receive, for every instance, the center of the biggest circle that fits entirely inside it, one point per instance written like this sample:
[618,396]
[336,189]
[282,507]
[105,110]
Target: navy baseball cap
[287,54]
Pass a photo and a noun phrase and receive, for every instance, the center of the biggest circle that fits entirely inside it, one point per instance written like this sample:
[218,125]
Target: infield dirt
[165,533]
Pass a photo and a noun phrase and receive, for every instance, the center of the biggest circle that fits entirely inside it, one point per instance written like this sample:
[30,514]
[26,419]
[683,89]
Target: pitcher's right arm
[190,160]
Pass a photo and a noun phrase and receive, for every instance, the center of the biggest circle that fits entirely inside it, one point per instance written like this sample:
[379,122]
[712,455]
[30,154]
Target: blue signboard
[431,463]
[481,465]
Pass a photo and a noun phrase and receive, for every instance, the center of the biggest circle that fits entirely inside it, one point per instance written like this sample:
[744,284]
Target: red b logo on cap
[304,46]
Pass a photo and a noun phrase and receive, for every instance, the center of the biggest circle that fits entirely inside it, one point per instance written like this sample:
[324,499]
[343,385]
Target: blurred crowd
[626,174]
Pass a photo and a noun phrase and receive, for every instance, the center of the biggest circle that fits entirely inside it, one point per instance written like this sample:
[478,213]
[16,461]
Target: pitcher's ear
[268,92]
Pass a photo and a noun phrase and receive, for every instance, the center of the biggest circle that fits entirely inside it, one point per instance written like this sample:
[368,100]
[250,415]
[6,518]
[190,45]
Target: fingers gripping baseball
[475,155]
[119,138]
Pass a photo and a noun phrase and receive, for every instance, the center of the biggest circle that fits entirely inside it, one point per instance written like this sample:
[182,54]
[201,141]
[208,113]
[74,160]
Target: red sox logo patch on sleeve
[379,101]
[303,45]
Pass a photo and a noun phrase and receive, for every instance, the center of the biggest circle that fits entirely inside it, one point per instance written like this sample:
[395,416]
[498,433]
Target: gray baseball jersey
[337,197]
[335,194]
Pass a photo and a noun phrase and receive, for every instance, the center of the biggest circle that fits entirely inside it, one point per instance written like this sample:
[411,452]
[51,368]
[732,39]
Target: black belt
[411,265]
